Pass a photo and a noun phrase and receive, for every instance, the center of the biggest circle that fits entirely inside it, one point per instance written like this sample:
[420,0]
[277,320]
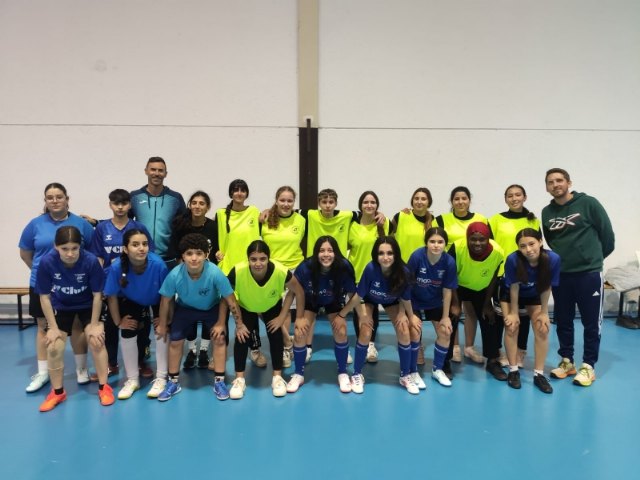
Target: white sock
[81,360]
[43,366]
[538,372]
[162,358]
[513,368]
[129,347]
[191,345]
[204,345]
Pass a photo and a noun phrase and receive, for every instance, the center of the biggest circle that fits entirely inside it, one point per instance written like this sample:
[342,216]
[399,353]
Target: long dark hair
[182,221]
[379,228]
[544,264]
[237,184]
[338,267]
[124,257]
[398,278]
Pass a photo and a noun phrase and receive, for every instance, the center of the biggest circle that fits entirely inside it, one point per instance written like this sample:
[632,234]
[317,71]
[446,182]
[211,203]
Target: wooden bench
[19,292]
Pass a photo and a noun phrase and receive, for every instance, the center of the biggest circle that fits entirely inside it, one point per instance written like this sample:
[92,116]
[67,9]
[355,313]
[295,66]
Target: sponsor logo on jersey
[57,276]
[560,223]
[108,237]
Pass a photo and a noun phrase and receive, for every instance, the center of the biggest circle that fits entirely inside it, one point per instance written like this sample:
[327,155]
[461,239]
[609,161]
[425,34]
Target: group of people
[160,264]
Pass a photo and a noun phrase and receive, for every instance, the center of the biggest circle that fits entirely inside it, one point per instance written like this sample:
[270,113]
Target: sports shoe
[38,381]
[417,379]
[456,355]
[520,356]
[130,386]
[189,361]
[295,383]
[504,361]
[372,353]
[203,359]
[441,378]
[145,370]
[278,386]
[494,368]
[542,383]
[585,377]
[349,358]
[309,354]
[258,359]
[157,386]
[472,354]
[564,369]
[408,383]
[421,355]
[286,358]
[513,380]
[82,375]
[106,395]
[52,400]
[345,383]
[172,388]
[221,390]
[357,383]
[238,386]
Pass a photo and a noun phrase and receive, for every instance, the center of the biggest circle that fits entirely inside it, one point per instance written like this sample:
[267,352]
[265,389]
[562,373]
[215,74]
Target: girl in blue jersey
[132,290]
[259,285]
[386,281]
[326,278]
[436,279]
[107,245]
[529,274]
[36,241]
[195,220]
[69,283]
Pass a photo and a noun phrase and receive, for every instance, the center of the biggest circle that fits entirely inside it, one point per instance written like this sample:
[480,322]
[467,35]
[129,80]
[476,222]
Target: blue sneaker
[221,390]
[172,388]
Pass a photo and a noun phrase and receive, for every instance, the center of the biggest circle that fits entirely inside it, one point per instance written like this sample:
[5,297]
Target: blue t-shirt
[528,290]
[431,279]
[39,234]
[201,294]
[374,287]
[143,288]
[328,290]
[107,240]
[71,289]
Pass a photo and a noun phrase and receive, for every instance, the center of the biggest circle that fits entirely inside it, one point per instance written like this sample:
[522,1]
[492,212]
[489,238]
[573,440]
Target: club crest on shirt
[204,291]
[440,273]
[80,277]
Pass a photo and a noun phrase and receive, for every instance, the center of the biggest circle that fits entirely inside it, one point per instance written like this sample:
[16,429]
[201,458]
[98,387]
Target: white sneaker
[372,353]
[127,390]
[258,359]
[408,383]
[417,379]
[278,386]
[456,355]
[286,358]
[295,383]
[237,389]
[520,357]
[349,359]
[309,353]
[157,387]
[82,375]
[38,381]
[345,383]
[472,354]
[504,361]
[357,383]
[441,378]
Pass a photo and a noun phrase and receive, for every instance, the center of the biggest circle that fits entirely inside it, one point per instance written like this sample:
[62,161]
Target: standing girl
[195,220]
[70,282]
[37,239]
[132,290]
[436,279]
[259,285]
[529,274]
[326,278]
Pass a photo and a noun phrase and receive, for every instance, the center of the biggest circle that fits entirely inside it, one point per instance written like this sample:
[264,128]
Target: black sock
[58,391]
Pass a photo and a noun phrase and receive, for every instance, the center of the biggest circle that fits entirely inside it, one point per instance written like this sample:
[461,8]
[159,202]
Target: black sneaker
[513,380]
[542,383]
[494,368]
[203,359]
[446,368]
[190,361]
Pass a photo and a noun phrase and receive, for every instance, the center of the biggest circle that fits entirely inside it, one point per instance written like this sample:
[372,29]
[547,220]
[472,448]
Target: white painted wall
[412,93]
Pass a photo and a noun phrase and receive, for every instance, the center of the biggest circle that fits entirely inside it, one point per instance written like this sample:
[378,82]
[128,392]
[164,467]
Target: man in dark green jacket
[577,228]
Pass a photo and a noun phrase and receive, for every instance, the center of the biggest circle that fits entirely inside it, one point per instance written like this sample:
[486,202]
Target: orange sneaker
[106,395]
[52,400]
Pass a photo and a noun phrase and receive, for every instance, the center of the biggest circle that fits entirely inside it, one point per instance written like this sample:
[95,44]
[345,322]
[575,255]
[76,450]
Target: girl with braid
[132,290]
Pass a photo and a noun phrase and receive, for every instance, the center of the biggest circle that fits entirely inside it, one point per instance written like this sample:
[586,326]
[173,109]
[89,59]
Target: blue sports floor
[477,429]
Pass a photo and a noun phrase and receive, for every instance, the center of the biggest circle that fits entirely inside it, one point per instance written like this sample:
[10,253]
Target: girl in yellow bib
[259,285]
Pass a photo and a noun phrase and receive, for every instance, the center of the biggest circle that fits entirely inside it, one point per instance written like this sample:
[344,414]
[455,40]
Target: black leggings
[139,312]
[491,331]
[193,333]
[250,319]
